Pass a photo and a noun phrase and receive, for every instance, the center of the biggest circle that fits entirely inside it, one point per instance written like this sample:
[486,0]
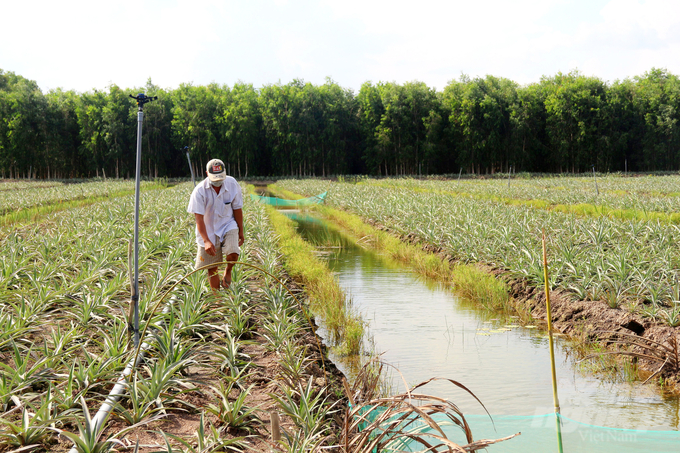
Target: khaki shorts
[228,246]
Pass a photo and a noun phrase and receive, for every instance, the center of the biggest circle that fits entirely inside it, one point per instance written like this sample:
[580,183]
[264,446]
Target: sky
[86,45]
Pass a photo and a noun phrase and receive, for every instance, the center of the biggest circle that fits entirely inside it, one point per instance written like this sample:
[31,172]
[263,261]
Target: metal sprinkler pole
[141,100]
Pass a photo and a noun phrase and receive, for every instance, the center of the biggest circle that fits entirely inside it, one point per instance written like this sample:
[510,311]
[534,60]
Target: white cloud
[85,44]
[632,37]
[630,16]
[294,52]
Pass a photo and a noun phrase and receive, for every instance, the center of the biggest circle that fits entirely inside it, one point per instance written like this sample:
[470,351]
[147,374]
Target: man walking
[217,203]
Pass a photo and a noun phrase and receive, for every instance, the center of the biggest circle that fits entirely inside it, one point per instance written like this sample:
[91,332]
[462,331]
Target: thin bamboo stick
[552,347]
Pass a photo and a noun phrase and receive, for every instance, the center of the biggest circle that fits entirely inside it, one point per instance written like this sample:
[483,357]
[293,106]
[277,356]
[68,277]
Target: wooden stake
[276,426]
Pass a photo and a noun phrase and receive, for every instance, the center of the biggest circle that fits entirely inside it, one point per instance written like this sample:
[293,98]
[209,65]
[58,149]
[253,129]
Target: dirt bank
[651,344]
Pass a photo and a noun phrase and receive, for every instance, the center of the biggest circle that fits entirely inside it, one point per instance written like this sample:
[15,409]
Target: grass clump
[468,281]
[325,296]
[354,334]
[280,192]
[476,285]
[425,263]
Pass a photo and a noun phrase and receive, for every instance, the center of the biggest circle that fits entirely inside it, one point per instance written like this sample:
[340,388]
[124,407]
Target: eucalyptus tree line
[479,112]
[22,107]
[563,123]
[397,123]
[240,122]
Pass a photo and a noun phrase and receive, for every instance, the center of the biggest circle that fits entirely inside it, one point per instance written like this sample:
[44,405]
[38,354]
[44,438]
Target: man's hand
[238,216]
[200,225]
[210,248]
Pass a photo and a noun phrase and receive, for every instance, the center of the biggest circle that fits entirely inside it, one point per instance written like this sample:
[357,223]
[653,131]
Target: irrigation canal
[425,331]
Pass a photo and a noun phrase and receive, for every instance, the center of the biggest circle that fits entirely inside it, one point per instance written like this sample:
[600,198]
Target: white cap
[216,171]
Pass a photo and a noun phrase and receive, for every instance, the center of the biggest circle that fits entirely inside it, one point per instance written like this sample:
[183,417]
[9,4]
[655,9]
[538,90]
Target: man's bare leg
[227,272]
[214,278]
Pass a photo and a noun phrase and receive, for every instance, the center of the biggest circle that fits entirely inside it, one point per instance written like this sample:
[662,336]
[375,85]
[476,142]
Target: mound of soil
[652,344]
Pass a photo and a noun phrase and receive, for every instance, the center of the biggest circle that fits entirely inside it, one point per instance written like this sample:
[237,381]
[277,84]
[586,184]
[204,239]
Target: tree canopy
[563,123]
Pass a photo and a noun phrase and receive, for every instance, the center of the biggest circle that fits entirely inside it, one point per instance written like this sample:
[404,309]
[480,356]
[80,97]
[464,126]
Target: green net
[317,199]
[543,433]
[540,434]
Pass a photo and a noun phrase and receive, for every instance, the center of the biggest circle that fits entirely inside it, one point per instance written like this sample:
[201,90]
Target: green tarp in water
[317,199]
[539,435]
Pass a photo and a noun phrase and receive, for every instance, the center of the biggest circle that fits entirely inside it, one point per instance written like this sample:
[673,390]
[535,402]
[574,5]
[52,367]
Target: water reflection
[425,332]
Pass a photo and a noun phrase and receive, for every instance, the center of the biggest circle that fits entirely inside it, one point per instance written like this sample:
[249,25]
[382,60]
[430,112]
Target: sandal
[226,283]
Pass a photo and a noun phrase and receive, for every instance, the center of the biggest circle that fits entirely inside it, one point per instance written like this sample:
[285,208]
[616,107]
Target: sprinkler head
[142,99]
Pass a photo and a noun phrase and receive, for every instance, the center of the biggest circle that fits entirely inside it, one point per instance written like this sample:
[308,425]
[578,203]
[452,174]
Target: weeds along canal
[425,331]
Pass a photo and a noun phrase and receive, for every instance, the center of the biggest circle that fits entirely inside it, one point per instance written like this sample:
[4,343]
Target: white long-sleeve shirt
[217,208]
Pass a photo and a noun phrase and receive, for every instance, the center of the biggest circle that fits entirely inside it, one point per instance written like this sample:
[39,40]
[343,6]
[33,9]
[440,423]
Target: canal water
[425,331]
